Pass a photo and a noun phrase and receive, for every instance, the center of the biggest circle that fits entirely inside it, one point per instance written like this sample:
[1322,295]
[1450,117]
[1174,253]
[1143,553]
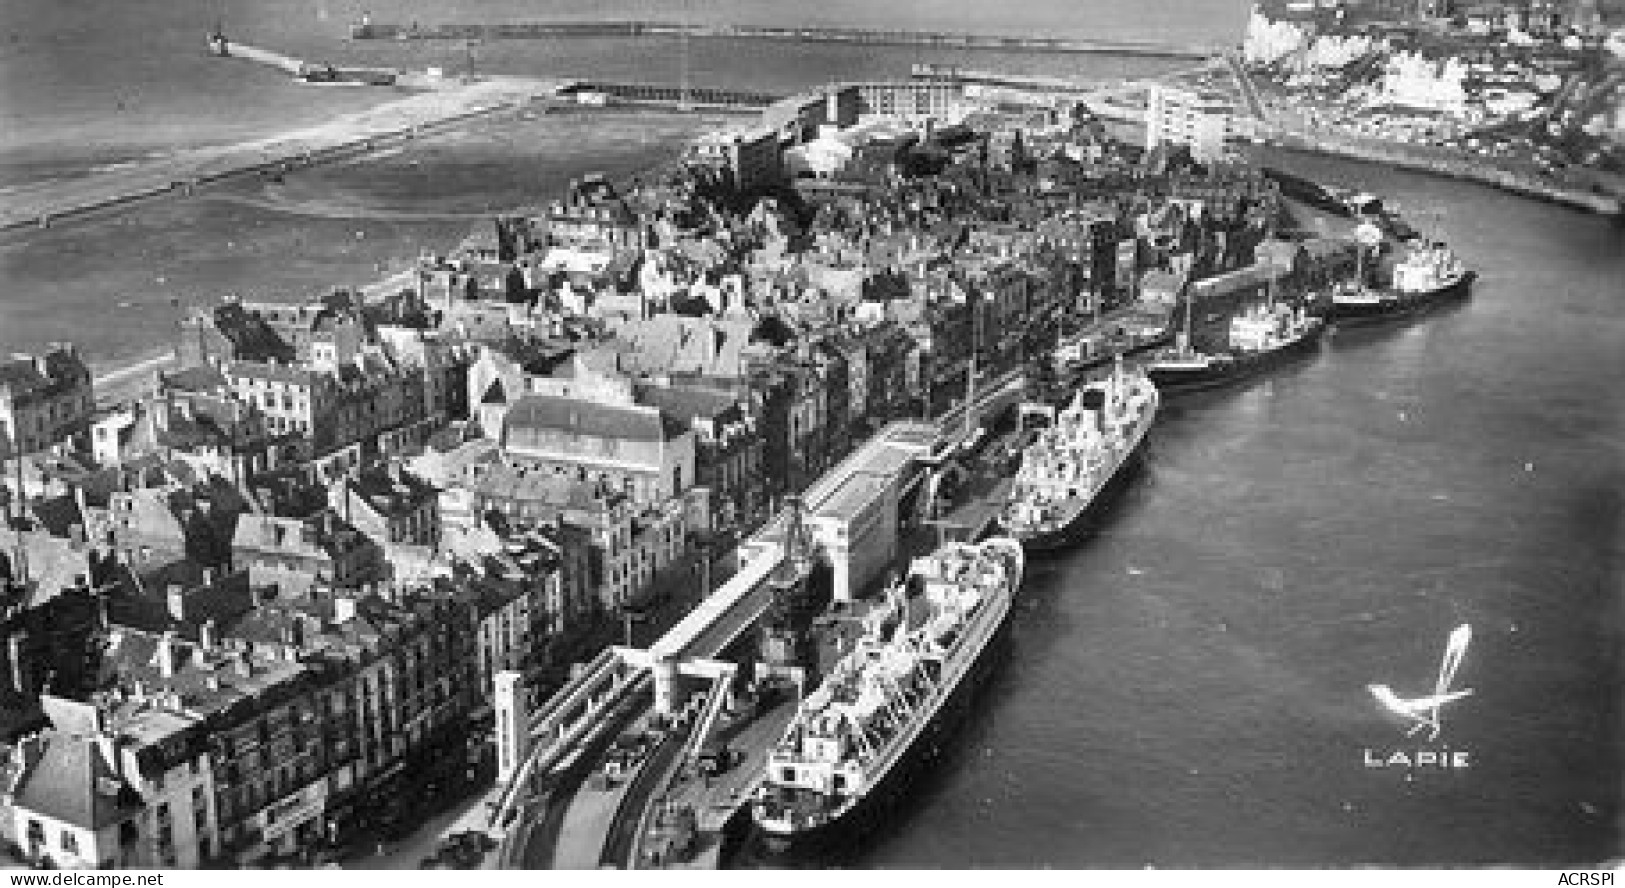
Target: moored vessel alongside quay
[888,701]
[1429,274]
[1073,466]
[1260,338]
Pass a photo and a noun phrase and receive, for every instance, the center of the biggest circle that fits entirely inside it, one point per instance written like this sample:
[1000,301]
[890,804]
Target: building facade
[44,400]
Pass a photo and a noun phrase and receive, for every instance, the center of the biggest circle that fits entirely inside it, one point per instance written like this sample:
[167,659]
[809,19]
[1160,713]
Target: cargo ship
[1260,337]
[887,703]
[1429,274]
[1073,466]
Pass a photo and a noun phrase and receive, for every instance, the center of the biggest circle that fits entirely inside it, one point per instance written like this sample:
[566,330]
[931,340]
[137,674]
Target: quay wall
[535,30]
[1397,156]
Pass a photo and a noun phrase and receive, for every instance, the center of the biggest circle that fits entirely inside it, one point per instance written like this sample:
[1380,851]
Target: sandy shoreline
[26,205]
[118,381]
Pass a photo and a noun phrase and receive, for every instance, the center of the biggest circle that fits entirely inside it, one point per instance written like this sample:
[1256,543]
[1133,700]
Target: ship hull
[1179,380]
[1086,519]
[870,812]
[1405,304]
[896,772]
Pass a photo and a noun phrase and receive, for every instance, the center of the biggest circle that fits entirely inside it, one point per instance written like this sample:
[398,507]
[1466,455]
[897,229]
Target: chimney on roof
[19,661]
[166,654]
[177,603]
[206,634]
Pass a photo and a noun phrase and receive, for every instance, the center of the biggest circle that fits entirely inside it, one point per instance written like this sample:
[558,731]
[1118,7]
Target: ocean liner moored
[1072,464]
[884,703]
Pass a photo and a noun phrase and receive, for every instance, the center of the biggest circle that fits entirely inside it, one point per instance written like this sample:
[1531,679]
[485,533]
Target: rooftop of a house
[56,372]
[323,534]
[690,403]
[252,338]
[54,564]
[533,413]
[393,492]
[326,622]
[539,486]
[260,371]
[72,782]
[159,671]
[181,597]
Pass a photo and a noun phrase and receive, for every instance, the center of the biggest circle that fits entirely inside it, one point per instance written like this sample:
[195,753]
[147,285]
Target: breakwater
[943,40]
[227,49]
[1455,168]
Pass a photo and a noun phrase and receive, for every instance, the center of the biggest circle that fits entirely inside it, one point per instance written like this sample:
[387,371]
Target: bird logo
[1423,712]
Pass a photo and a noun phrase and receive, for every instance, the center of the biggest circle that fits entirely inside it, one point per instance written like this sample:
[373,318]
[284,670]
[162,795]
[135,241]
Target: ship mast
[1185,337]
[970,381]
[1269,285]
[1359,263]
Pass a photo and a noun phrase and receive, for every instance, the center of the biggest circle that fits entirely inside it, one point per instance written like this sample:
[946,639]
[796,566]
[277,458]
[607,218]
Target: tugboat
[886,703]
[1071,465]
[1260,337]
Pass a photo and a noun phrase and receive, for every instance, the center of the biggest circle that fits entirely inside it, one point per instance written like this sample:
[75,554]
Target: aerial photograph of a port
[753,437]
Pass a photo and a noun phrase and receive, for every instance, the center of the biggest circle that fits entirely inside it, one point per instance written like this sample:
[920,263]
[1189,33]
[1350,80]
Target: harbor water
[1188,688]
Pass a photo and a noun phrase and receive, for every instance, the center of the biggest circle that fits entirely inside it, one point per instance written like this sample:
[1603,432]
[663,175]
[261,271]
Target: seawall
[1462,169]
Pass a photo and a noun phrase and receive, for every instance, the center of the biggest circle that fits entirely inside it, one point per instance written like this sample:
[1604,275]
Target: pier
[861,36]
[270,58]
